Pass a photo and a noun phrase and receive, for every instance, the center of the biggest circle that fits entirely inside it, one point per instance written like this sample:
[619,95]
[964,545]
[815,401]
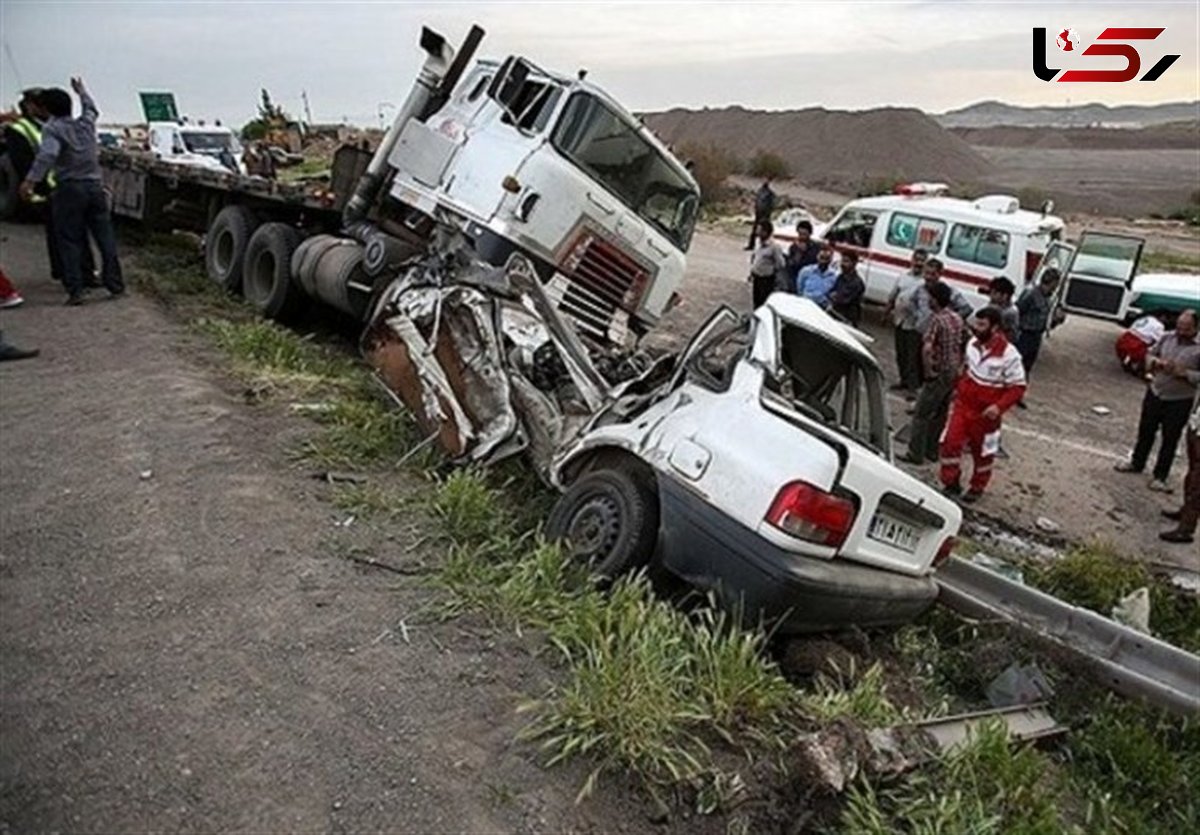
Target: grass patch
[986,786]
[370,500]
[1097,578]
[862,697]
[646,686]
[310,168]
[359,430]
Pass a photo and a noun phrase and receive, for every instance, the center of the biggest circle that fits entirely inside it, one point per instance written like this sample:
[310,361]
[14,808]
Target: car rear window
[836,386]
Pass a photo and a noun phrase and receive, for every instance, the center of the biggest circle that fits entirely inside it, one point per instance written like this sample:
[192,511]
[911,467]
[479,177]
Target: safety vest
[32,134]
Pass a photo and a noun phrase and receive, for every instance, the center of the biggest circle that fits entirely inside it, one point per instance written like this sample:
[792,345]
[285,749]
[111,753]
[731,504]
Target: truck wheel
[225,246]
[609,520]
[267,270]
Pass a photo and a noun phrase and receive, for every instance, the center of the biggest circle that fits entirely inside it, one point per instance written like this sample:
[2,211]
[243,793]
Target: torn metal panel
[1023,723]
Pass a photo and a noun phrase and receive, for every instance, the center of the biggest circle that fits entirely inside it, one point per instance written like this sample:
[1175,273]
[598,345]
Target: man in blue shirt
[816,280]
[70,147]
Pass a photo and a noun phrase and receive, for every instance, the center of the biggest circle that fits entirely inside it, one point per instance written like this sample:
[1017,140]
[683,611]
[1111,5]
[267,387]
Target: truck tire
[225,246]
[267,270]
[608,519]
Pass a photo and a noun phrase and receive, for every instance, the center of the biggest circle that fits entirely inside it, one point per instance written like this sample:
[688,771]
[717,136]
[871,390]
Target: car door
[1101,274]
[1058,257]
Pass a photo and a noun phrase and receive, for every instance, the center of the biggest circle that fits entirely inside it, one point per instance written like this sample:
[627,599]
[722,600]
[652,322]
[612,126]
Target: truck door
[1101,273]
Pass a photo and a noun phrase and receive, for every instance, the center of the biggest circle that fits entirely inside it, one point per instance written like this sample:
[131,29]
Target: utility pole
[307,111]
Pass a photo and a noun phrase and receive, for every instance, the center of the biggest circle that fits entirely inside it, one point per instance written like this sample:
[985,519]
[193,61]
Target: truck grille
[600,280]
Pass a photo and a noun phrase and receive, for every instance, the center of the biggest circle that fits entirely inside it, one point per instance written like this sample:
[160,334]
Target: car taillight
[1032,260]
[945,551]
[812,514]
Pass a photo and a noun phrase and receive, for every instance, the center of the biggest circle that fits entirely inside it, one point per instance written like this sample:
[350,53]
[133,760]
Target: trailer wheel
[267,270]
[609,520]
[225,246]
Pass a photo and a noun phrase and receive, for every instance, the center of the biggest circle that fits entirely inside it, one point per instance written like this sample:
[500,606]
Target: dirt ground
[1061,452]
[184,645]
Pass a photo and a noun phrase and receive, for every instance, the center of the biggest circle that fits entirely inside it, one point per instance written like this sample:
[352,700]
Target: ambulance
[976,240]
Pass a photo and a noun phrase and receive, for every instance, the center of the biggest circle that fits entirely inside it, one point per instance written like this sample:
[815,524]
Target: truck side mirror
[508,82]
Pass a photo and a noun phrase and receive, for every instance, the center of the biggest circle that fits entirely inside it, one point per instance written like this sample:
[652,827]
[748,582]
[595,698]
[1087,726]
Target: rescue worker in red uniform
[992,382]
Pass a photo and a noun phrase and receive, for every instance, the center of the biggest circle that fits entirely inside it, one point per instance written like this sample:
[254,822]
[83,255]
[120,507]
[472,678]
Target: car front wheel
[609,521]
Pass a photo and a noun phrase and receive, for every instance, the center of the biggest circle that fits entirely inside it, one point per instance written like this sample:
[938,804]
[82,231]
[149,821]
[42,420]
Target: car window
[978,245]
[911,232]
[853,226]
[832,384]
[713,363]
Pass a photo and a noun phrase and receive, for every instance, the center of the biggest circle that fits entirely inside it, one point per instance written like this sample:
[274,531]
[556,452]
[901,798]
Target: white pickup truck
[755,463]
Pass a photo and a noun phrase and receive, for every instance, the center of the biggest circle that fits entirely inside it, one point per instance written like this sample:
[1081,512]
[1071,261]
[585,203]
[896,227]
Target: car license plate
[894,532]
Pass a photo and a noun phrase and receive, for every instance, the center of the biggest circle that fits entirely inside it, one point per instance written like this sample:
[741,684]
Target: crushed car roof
[802,312]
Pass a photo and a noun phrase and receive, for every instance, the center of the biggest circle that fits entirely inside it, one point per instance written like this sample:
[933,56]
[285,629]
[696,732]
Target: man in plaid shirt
[942,359]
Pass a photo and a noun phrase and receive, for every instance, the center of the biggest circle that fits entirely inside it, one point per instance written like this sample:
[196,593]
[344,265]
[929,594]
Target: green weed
[1096,578]
[862,697]
[370,500]
[985,786]
[359,430]
[469,509]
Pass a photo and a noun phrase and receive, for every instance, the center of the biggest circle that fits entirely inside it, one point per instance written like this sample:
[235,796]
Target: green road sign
[159,107]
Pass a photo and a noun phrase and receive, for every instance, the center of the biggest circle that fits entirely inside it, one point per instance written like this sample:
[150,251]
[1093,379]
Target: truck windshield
[209,143]
[832,384]
[611,150]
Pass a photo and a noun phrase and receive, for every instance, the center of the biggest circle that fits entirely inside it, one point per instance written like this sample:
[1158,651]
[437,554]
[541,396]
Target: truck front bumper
[795,593]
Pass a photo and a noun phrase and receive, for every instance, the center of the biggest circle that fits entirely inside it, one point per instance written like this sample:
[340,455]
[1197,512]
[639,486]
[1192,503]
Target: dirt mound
[1176,135]
[831,147]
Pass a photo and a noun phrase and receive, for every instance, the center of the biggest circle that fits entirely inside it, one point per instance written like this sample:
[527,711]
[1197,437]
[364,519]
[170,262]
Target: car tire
[225,246]
[267,280]
[608,519]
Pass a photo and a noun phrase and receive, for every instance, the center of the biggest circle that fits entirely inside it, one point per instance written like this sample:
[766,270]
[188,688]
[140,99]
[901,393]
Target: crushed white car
[755,463]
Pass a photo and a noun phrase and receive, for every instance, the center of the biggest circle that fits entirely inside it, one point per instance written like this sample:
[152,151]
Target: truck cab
[552,167]
[211,147]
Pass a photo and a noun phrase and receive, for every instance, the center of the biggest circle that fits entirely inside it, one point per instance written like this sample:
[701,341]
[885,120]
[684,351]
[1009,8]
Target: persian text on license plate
[894,532]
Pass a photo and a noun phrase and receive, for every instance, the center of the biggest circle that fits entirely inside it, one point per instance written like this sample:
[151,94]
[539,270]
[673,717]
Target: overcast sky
[351,57]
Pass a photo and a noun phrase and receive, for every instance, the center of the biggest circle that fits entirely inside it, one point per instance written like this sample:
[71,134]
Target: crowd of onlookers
[961,369]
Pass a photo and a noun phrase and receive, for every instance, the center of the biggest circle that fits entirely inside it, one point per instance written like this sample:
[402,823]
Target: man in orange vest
[992,382]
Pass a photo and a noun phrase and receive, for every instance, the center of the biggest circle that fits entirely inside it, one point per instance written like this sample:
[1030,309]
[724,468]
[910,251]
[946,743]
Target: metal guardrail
[1124,660]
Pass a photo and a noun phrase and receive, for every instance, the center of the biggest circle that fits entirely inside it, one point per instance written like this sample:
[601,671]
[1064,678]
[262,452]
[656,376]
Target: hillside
[1172,135]
[831,148]
[994,113]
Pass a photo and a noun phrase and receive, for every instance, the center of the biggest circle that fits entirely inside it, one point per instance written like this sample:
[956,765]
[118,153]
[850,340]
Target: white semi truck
[518,158]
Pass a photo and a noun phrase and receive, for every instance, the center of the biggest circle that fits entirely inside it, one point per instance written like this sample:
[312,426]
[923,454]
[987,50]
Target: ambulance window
[912,232]
[978,245]
[853,227]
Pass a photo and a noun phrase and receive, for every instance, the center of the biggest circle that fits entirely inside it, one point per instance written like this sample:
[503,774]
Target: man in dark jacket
[70,153]
[845,299]
[1033,316]
[22,136]
[764,204]
[804,251]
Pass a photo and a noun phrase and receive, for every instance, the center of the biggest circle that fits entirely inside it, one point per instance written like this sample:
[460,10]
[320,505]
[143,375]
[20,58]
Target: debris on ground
[1019,685]
[1133,610]
[1047,524]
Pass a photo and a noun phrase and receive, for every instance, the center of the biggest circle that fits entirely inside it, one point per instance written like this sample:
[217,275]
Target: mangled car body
[755,463]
